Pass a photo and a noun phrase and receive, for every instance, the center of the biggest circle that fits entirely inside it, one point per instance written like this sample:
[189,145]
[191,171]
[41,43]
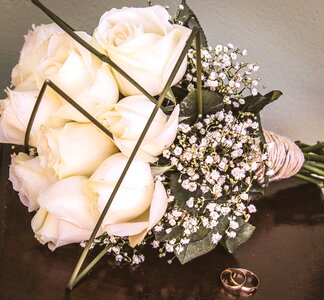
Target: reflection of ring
[229,279]
[239,280]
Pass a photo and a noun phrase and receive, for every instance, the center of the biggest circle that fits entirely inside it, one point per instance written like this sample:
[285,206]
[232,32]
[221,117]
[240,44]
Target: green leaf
[162,236]
[201,241]
[256,103]
[222,225]
[160,170]
[244,232]
[179,92]
[196,249]
[181,195]
[187,17]
[201,233]
[256,191]
[170,96]
[212,103]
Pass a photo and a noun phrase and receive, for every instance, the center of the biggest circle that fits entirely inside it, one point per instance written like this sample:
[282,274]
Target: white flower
[96,99]
[49,53]
[75,149]
[254,91]
[244,196]
[192,186]
[209,160]
[225,210]
[219,48]
[177,151]
[184,127]
[231,234]
[127,121]
[234,225]
[216,237]
[237,153]
[15,113]
[158,228]
[185,184]
[190,202]
[139,203]
[34,48]
[29,179]
[168,247]
[251,208]
[233,56]
[67,214]
[143,43]
[155,244]
[238,173]
[172,222]
[215,175]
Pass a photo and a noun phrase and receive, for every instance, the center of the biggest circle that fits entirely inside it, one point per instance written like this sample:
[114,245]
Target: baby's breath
[216,159]
[222,71]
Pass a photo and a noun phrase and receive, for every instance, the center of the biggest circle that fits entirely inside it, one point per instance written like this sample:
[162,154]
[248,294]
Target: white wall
[285,36]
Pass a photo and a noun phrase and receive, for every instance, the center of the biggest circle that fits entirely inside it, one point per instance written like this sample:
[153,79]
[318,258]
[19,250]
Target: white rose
[98,98]
[127,121]
[34,48]
[15,112]
[75,149]
[67,214]
[80,74]
[29,179]
[143,43]
[135,193]
[137,228]
[139,203]
[76,71]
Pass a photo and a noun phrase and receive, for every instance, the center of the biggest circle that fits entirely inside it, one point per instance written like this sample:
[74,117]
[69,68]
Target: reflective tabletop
[286,252]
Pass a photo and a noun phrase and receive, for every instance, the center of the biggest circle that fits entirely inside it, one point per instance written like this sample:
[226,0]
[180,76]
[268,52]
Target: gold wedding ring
[239,280]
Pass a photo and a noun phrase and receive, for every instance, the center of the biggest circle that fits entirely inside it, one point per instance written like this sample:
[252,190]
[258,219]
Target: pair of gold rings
[239,281]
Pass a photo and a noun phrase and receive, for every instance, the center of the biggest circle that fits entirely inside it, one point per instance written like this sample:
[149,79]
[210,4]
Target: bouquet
[141,134]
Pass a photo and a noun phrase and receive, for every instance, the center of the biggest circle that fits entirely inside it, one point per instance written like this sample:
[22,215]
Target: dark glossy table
[286,252]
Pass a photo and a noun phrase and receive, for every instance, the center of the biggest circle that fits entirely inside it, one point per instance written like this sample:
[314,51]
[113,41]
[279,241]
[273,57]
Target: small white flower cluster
[216,154]
[217,161]
[223,72]
[119,248]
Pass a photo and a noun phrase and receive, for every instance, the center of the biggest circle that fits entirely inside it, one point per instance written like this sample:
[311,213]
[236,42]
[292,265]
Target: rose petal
[68,234]
[15,113]
[166,135]
[75,149]
[158,207]
[29,179]
[142,42]
[68,201]
[134,195]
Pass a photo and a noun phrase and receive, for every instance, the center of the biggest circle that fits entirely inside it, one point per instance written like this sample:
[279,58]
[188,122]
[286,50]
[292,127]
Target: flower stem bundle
[313,169]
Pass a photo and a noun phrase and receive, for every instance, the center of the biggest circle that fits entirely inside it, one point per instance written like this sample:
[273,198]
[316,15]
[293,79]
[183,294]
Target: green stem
[89,267]
[301,145]
[313,169]
[314,148]
[131,158]
[48,83]
[314,157]
[316,164]
[33,116]
[199,80]
[69,30]
[310,180]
